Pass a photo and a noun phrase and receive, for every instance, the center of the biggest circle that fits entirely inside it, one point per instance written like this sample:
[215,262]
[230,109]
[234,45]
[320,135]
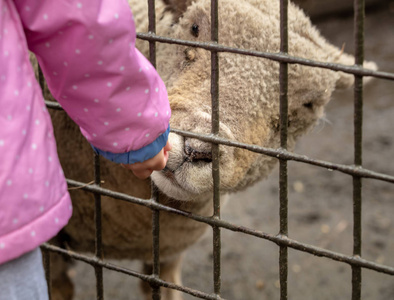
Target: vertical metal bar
[283,193]
[152,29]
[215,148]
[46,255]
[97,218]
[359,16]
[156,295]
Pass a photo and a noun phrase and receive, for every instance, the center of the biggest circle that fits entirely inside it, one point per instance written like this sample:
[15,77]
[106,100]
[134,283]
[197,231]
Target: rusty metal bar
[156,294]
[279,57]
[283,193]
[98,270]
[148,278]
[359,16]
[215,147]
[278,153]
[46,257]
[351,260]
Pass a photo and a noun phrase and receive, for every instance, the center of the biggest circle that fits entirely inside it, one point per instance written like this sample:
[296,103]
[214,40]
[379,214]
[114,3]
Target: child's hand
[157,163]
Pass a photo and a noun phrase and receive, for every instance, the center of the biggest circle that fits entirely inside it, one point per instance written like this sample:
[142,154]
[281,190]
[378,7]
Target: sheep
[249,113]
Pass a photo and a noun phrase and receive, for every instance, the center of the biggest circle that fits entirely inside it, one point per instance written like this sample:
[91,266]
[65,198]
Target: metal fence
[357,172]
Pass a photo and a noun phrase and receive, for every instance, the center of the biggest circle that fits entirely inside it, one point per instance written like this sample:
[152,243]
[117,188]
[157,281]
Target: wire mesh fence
[284,242]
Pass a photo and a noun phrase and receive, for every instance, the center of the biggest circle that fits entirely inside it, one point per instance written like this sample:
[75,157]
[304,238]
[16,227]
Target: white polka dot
[87,75]
[121,68]
[30,171]
[24,131]
[3,77]
[37,122]
[96,100]
[56,220]
[91,37]
[77,51]
[128,88]
[85,110]
[15,221]
[29,84]
[116,16]
[79,5]
[49,158]
[16,93]
[95,135]
[33,233]
[9,182]
[5,31]
[147,135]
[34,146]
[115,144]
[47,44]
[106,123]
[167,112]
[41,208]
[110,41]
[156,90]
[118,109]
[55,73]
[28,107]
[70,207]
[65,63]
[25,196]
[49,135]
[109,84]
[1,143]
[64,97]
[139,114]
[100,62]
[146,91]
[9,117]
[45,17]
[2,245]
[27,8]
[47,183]
[156,114]
[147,67]
[6,53]
[140,70]
[75,87]
[127,129]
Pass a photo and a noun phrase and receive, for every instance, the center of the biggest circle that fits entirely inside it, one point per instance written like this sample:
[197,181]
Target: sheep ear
[346,80]
[177,7]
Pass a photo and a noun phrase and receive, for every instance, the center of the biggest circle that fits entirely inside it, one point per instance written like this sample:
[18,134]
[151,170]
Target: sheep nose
[196,155]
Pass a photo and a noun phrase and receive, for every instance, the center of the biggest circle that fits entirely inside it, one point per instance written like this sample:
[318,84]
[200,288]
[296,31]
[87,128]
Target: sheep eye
[308,105]
[195,30]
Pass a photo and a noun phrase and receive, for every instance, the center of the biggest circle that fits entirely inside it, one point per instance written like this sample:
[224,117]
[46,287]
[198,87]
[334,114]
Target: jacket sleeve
[87,52]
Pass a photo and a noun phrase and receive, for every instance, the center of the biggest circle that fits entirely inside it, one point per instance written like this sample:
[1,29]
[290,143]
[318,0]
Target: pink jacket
[86,50]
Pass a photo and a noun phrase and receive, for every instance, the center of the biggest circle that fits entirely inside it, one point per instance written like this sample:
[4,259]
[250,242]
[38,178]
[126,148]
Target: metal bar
[154,192]
[283,193]
[359,16]
[46,255]
[148,278]
[279,57]
[278,239]
[98,240]
[215,148]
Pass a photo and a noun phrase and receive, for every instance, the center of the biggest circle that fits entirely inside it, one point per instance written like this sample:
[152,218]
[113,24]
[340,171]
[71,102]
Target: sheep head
[249,90]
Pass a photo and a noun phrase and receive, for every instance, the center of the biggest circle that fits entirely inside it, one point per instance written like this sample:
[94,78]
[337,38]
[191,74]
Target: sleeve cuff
[140,155]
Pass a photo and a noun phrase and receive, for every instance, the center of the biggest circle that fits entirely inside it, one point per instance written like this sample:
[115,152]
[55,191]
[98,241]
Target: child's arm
[86,50]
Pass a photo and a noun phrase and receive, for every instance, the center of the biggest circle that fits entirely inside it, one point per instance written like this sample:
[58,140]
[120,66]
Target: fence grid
[281,239]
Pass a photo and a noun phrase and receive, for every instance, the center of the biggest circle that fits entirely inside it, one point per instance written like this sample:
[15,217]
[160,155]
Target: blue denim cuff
[139,155]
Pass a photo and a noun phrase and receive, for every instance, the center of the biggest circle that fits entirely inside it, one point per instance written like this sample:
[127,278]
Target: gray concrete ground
[320,203]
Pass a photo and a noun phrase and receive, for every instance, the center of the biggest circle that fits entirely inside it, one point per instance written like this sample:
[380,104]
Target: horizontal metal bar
[278,239]
[286,155]
[278,153]
[280,57]
[95,262]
